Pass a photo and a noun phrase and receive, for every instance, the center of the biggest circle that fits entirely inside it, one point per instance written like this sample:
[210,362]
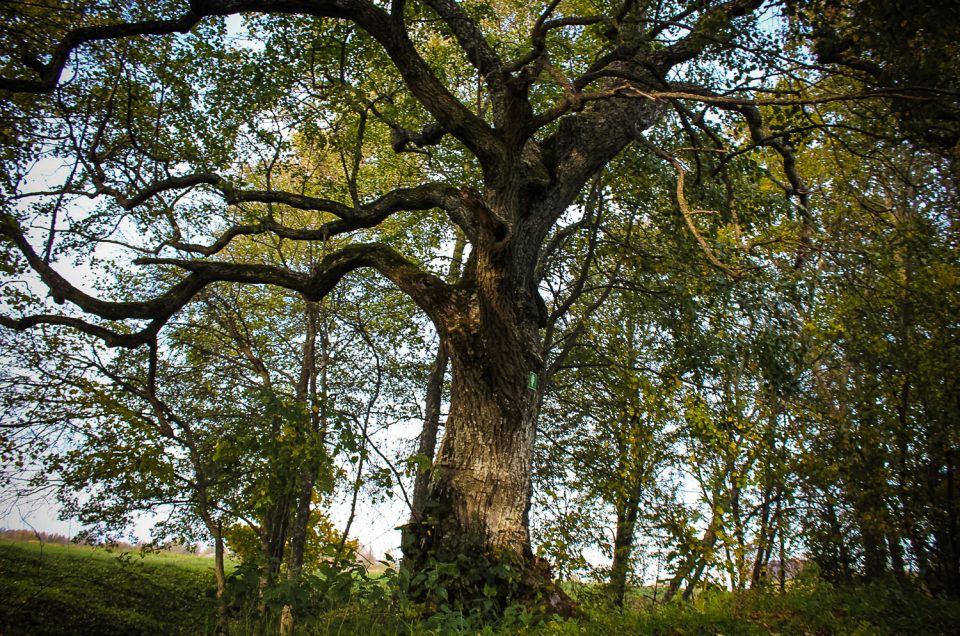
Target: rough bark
[273,541]
[480,482]
[480,486]
[490,325]
[483,467]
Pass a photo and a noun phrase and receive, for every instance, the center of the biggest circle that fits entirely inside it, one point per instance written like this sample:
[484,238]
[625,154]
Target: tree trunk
[428,436]
[844,561]
[220,573]
[482,474]
[763,541]
[300,526]
[298,544]
[307,394]
[490,321]
[693,566]
[623,542]
[764,553]
[945,566]
[477,499]
[694,579]
[696,561]
[873,541]
[273,541]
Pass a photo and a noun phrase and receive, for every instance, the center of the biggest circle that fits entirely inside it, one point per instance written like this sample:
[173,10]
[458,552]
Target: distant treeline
[25,536]
[30,535]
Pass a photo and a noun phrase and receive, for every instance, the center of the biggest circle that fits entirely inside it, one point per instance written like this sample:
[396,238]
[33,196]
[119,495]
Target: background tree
[880,321]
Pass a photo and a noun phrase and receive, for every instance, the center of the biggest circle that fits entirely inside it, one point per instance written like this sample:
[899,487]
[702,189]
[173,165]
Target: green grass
[808,608]
[76,590]
[820,610]
[80,590]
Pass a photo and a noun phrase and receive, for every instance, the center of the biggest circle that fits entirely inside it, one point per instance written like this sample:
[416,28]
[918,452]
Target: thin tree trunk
[694,578]
[760,563]
[628,506]
[221,578]
[215,527]
[738,562]
[428,436]
[623,542]
[874,544]
[306,394]
[783,557]
[298,544]
[694,565]
[947,534]
[693,568]
[434,398]
[845,561]
[273,541]
[766,538]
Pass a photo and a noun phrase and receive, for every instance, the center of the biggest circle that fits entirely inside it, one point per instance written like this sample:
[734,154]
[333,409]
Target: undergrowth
[70,590]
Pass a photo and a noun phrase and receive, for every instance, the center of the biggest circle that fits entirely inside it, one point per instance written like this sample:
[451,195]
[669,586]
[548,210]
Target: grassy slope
[77,590]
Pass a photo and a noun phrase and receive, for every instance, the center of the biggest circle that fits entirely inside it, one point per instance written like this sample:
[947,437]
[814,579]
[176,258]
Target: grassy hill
[79,590]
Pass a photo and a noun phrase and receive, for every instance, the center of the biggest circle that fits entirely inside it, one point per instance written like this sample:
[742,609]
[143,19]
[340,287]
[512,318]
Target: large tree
[189,136]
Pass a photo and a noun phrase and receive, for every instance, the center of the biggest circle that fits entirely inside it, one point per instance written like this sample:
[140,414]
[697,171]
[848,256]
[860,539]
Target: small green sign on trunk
[532,381]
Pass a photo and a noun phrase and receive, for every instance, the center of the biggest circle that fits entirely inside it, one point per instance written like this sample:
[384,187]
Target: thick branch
[430,292]
[61,290]
[401,138]
[422,197]
[583,144]
[471,40]
[50,72]
[427,290]
[108,336]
